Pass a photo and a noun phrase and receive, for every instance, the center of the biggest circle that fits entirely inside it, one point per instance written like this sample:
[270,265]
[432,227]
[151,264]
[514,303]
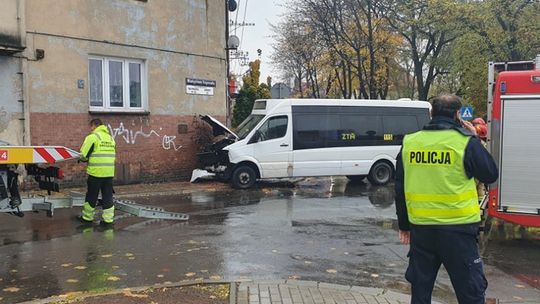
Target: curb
[233,287]
[80,295]
[232,293]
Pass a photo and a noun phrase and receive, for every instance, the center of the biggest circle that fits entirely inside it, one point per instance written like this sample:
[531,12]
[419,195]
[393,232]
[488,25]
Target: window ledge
[119,112]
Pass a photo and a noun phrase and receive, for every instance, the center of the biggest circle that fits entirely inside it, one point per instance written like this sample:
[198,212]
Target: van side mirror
[255,138]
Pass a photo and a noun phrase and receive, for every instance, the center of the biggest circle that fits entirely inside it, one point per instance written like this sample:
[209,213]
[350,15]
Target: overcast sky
[262,13]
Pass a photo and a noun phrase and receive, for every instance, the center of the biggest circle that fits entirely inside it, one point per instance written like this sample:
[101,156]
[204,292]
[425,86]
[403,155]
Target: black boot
[81,220]
[15,202]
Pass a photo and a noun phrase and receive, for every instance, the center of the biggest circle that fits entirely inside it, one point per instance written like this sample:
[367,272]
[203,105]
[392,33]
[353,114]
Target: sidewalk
[249,292]
[165,188]
[309,292]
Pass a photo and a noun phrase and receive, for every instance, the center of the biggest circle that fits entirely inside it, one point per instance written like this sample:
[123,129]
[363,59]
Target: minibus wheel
[243,177]
[380,173]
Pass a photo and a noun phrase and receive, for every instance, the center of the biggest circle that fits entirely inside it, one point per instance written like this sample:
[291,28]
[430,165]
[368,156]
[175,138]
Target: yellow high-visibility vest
[102,158]
[437,189]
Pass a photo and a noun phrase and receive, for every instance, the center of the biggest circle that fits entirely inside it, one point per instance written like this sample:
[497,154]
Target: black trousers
[97,184]
[13,184]
[457,250]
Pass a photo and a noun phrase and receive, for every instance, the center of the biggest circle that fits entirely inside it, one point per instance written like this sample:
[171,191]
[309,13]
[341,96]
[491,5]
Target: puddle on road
[203,207]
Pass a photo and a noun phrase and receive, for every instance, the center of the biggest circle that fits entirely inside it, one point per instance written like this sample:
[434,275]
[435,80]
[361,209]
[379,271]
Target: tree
[250,91]
[428,28]
[403,48]
[349,28]
[496,30]
[338,48]
[301,57]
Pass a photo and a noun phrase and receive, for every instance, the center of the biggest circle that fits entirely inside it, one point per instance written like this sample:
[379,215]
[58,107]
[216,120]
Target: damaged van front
[215,160]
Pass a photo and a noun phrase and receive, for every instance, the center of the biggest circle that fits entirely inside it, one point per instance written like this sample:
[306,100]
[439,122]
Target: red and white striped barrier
[36,154]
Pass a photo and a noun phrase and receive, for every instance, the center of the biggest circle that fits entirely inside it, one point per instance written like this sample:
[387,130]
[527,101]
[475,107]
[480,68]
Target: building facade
[147,68]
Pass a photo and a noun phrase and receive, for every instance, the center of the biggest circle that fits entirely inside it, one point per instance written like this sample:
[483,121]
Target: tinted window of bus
[360,130]
[396,127]
[335,126]
[315,131]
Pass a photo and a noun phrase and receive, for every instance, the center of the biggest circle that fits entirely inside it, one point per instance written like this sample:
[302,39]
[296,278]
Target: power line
[236,18]
[243,21]
[242,35]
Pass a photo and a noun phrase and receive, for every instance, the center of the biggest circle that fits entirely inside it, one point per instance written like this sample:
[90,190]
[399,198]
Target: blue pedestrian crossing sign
[466,113]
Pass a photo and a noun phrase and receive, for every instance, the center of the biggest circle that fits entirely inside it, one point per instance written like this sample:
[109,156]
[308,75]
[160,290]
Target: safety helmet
[481,130]
[478,121]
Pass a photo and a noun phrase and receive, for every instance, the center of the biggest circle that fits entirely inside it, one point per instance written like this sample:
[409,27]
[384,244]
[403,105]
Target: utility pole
[231,43]
[227,95]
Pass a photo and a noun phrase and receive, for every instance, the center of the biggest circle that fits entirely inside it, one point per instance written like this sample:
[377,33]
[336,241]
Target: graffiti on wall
[130,136]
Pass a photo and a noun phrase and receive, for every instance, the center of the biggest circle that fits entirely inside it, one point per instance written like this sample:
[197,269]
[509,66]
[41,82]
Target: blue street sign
[466,113]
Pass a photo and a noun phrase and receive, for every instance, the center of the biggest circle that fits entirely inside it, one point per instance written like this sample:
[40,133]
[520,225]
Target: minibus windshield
[247,125]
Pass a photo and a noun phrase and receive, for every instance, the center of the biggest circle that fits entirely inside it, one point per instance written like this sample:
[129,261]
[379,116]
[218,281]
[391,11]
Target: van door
[272,146]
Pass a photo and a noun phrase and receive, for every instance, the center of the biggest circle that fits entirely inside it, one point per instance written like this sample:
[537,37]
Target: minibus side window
[423,119]
[397,126]
[360,130]
[316,130]
[274,127]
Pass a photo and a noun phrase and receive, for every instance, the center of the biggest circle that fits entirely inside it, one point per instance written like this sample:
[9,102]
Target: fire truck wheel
[243,177]
[381,173]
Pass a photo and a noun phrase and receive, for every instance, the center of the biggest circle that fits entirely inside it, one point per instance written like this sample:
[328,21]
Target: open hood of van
[217,127]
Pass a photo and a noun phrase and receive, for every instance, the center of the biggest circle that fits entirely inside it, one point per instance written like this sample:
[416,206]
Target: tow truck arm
[37,161]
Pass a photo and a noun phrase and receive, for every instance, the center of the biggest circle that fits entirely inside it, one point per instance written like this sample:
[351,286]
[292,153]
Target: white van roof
[265,105]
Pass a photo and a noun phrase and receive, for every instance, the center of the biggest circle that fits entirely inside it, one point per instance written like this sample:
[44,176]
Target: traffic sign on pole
[466,113]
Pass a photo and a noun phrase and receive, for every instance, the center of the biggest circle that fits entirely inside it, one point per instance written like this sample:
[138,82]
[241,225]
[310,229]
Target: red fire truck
[514,141]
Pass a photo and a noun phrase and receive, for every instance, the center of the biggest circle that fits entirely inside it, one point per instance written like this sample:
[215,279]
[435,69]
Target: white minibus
[284,138]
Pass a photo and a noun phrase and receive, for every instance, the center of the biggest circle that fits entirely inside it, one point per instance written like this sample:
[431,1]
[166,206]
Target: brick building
[145,67]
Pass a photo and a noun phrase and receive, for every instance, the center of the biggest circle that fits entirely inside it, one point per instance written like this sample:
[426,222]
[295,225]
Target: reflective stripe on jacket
[102,149]
[437,189]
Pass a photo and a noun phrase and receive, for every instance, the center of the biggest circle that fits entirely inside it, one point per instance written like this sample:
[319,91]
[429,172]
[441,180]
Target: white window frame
[106,107]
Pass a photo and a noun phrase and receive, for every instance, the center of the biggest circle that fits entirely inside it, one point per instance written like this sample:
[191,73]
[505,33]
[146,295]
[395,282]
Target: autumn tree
[428,27]
[403,48]
[339,48]
[495,30]
[250,91]
[301,57]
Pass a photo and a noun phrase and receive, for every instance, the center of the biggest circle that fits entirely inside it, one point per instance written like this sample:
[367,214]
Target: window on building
[117,85]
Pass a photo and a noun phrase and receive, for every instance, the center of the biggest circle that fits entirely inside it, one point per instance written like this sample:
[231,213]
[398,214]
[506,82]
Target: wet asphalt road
[322,230]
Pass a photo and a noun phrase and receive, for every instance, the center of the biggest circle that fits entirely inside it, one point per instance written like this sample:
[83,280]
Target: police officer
[437,206]
[99,150]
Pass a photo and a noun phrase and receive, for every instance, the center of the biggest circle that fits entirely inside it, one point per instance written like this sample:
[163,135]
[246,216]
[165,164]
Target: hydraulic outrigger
[36,161]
